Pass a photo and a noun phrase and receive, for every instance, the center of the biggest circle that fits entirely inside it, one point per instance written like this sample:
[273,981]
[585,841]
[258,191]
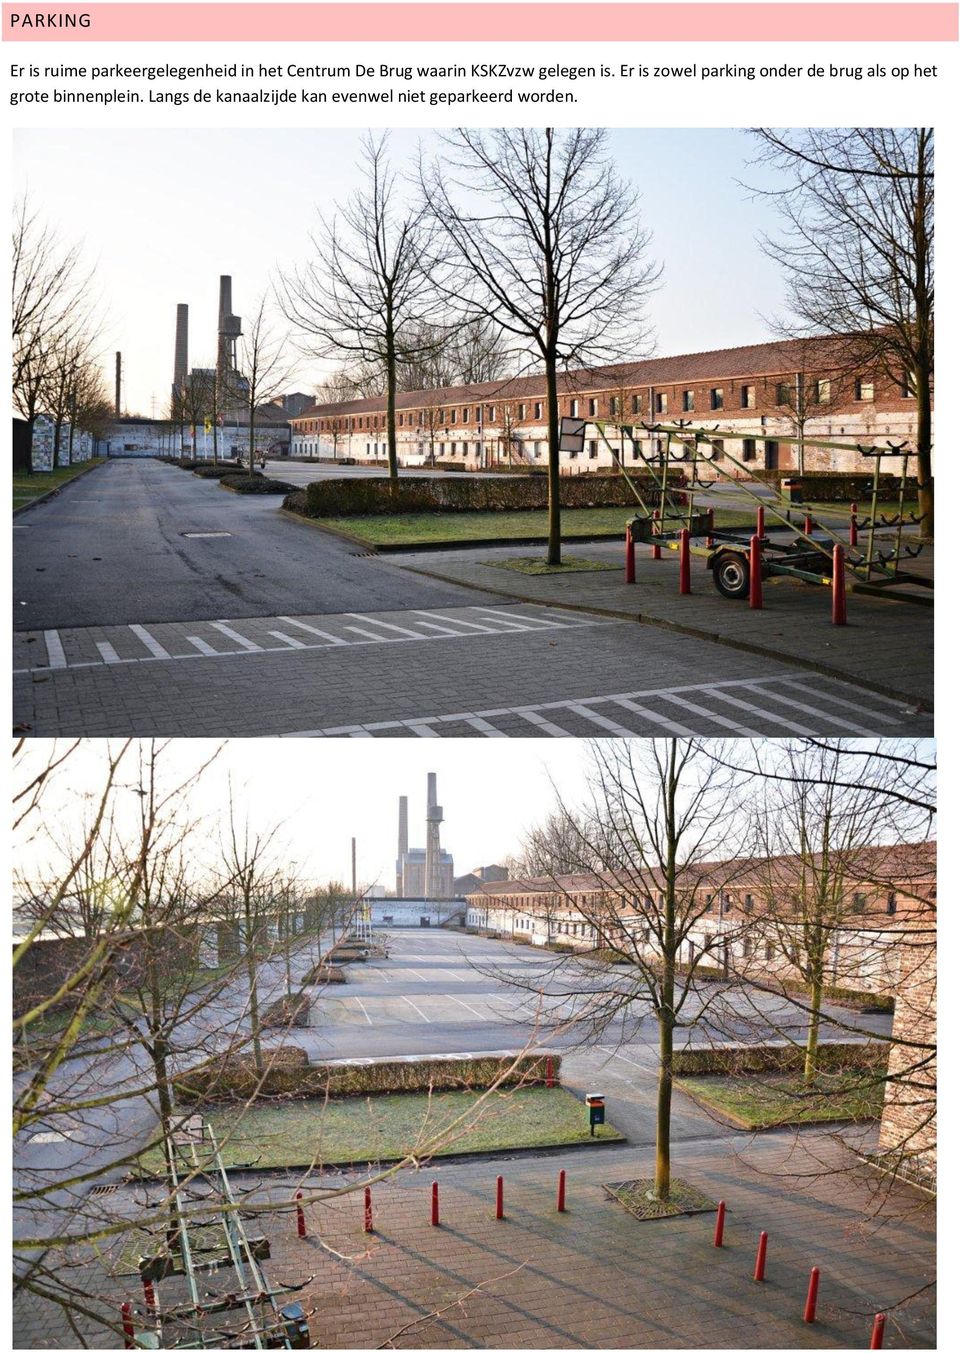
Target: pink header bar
[445,22]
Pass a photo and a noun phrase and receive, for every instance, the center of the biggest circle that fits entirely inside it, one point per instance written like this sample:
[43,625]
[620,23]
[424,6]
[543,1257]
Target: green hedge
[289,1075]
[732,1061]
[371,497]
[826,486]
[217,471]
[240,482]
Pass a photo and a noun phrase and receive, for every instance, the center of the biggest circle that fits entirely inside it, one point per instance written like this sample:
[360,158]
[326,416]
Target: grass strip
[762,1101]
[27,487]
[433,528]
[389,1127]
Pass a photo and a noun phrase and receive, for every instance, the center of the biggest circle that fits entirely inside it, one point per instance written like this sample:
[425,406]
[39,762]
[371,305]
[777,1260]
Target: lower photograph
[623,1043]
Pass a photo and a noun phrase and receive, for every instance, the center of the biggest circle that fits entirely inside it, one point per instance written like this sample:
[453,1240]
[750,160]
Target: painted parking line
[162,640]
[363,1008]
[417,1008]
[478,1013]
[758,696]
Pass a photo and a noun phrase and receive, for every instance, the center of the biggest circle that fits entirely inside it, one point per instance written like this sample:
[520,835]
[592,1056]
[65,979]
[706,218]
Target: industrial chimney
[116,393]
[180,350]
[228,331]
[401,844]
[432,881]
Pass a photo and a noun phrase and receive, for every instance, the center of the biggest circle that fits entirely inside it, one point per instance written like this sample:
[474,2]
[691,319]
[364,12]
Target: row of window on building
[787,395]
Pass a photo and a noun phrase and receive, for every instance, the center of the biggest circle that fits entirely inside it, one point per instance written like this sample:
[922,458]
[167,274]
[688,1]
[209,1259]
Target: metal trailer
[803,548]
[206,1241]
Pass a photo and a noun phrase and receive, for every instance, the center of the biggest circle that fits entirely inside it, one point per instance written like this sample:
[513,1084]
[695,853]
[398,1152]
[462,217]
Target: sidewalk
[886,646]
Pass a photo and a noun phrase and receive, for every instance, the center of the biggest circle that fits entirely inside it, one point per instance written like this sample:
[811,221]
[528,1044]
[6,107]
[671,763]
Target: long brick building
[759,395]
[739,914]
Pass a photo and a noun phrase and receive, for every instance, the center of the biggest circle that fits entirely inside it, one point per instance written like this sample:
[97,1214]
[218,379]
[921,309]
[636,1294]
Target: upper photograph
[473,432]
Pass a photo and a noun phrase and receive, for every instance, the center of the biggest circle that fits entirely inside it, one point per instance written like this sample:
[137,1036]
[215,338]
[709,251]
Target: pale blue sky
[163,213]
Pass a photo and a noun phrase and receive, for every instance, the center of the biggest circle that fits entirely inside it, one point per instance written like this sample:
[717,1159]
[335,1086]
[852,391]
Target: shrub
[289,1075]
[217,471]
[736,1059]
[371,497]
[322,973]
[826,486]
[240,482]
[289,1012]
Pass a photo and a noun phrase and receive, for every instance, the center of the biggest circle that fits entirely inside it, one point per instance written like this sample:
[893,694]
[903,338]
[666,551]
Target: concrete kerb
[695,632]
[58,488]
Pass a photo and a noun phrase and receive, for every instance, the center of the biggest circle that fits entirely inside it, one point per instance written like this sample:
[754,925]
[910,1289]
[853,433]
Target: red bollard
[710,528]
[761,522]
[435,1204]
[367,1209]
[149,1295]
[630,559]
[876,1334]
[810,1309]
[301,1218]
[839,588]
[756,590]
[853,523]
[499,1197]
[655,549]
[808,525]
[127,1319]
[562,1192]
[718,1229]
[760,1267]
[550,1080]
[684,563]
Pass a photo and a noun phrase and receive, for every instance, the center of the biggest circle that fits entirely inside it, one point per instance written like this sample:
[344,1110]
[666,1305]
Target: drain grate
[205,535]
[101,1189]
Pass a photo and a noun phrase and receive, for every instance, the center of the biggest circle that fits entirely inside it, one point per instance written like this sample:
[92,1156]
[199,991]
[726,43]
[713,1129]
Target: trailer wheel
[731,574]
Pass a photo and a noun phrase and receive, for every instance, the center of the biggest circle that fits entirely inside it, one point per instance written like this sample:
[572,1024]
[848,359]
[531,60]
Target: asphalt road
[130,543]
[148,602]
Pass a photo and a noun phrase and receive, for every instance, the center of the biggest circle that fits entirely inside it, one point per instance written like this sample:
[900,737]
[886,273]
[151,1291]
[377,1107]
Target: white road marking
[608,725]
[369,620]
[455,620]
[363,1008]
[286,639]
[311,629]
[416,974]
[107,651]
[206,649]
[417,1008]
[708,713]
[478,1013]
[729,699]
[55,654]
[236,636]
[369,634]
[677,729]
[794,703]
[422,730]
[441,629]
[533,717]
[150,643]
[482,726]
[847,704]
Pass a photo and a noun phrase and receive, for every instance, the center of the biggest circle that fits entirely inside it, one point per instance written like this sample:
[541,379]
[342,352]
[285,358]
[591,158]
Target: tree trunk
[251,958]
[553,470]
[813,1029]
[661,1178]
[924,457]
[391,424]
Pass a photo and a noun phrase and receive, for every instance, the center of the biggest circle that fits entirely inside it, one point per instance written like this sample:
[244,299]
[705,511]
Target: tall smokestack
[431,868]
[401,844]
[226,300]
[116,393]
[180,350]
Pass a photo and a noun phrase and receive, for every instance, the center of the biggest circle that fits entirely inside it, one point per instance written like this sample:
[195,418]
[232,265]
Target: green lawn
[536,568]
[26,487]
[389,1127]
[762,1101]
[431,528]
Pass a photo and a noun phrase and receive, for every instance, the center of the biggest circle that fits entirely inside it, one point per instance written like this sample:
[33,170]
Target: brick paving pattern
[595,1277]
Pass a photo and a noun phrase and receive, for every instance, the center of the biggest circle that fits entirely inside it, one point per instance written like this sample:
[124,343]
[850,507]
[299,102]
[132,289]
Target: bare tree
[857,252]
[546,244]
[368,287]
[647,886]
[263,369]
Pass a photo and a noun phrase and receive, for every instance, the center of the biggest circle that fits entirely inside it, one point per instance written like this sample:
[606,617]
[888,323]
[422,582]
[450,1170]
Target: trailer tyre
[731,574]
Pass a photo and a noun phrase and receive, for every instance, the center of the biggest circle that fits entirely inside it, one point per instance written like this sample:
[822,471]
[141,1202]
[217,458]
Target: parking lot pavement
[886,645]
[590,1277]
[482,670]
